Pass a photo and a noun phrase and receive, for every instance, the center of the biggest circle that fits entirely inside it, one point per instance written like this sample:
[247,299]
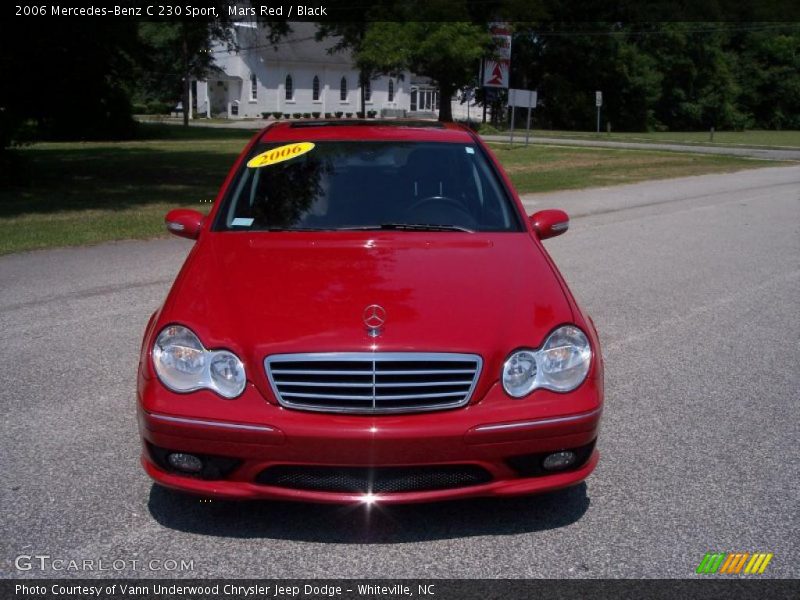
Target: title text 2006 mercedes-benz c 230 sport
[368,315]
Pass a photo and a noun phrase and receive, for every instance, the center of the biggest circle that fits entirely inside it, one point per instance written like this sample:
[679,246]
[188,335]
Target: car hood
[267,293]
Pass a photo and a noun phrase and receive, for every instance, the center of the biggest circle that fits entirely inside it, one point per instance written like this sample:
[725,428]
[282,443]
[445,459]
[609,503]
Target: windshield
[335,185]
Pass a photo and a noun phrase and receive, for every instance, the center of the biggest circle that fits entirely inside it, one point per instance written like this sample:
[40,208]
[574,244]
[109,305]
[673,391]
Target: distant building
[299,75]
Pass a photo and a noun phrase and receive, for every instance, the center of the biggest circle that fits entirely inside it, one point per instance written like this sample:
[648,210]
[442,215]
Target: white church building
[298,75]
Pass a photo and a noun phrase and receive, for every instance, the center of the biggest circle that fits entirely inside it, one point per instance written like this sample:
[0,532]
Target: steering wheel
[443,201]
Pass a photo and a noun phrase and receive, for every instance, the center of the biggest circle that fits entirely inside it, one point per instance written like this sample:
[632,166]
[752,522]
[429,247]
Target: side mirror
[549,223]
[184,223]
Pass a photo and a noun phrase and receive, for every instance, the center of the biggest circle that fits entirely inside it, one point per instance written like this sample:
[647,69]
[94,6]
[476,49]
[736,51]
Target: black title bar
[411,589]
[608,11]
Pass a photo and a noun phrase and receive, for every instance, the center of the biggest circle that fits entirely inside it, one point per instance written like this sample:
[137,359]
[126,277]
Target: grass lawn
[540,168]
[749,139]
[89,192]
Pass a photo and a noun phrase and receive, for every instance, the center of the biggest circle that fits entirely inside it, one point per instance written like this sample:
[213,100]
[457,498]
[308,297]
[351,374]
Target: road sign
[523,98]
[495,71]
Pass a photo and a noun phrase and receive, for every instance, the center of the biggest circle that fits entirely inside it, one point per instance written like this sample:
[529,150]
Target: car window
[339,185]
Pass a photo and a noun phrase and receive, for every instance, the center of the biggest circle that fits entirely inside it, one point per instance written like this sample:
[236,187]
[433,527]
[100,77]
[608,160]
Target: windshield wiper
[408,227]
[289,229]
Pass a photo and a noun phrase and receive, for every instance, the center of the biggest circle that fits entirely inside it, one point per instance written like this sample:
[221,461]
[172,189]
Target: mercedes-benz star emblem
[374,317]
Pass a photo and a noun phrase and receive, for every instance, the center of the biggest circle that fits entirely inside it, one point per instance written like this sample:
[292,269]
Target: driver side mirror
[549,223]
[184,223]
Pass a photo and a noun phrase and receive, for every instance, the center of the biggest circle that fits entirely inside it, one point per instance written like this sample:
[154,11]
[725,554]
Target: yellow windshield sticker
[280,154]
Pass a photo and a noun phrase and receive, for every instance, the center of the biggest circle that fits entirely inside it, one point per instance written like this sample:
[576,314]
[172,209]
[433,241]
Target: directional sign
[598,99]
[522,98]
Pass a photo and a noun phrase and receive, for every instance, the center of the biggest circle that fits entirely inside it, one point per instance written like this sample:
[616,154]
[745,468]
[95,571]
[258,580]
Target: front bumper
[488,435]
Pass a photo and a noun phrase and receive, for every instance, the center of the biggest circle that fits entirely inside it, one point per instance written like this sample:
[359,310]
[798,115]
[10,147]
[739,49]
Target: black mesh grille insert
[378,480]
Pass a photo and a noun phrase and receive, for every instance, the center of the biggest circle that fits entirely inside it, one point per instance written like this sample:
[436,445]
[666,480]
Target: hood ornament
[374,316]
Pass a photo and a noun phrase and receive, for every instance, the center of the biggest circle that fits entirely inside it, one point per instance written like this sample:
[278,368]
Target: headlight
[184,365]
[561,364]
[519,373]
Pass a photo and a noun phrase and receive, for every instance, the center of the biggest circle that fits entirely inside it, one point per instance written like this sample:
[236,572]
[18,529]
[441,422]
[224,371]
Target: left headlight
[183,364]
[561,364]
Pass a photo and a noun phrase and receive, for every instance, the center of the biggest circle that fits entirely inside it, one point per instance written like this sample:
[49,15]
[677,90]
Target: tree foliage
[446,52]
[77,82]
[176,52]
[679,76]
[69,82]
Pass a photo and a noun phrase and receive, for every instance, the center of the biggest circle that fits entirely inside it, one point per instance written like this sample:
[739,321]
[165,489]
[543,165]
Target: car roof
[366,130]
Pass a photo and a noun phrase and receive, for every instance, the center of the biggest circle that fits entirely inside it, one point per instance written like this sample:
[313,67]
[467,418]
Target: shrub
[139,108]
[360,115]
[348,115]
[265,115]
[296,115]
[315,115]
[328,116]
[158,108]
[306,115]
[473,125]
[371,114]
[287,116]
[339,114]
[277,115]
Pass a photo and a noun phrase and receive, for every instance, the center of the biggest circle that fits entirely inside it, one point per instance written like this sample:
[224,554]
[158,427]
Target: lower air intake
[376,481]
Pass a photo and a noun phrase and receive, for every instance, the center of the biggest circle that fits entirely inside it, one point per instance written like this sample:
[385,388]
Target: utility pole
[598,102]
[187,82]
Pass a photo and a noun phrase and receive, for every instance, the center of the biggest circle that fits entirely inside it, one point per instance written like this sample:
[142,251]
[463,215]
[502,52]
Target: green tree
[176,53]
[447,52]
[70,81]
[768,68]
[699,87]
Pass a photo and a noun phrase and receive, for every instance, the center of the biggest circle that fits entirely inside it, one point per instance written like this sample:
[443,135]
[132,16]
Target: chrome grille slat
[396,397]
[377,385]
[292,371]
[424,384]
[429,372]
[377,382]
[326,384]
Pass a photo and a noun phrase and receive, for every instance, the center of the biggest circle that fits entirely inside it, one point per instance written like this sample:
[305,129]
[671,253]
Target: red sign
[495,71]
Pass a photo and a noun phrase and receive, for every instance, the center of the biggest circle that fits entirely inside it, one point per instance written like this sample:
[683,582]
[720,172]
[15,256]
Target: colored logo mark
[734,563]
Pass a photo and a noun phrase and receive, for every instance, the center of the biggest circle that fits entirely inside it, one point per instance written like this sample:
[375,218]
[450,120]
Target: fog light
[188,463]
[559,460]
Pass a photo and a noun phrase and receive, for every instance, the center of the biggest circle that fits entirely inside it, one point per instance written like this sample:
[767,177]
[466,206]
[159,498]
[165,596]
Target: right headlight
[561,364]
[184,365]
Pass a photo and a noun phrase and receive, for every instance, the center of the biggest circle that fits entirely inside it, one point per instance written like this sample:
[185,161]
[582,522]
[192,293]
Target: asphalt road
[695,288]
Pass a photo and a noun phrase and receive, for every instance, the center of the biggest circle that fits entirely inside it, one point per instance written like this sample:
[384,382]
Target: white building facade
[299,76]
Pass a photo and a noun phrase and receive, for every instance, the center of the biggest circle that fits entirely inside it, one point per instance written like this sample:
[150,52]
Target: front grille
[384,480]
[378,382]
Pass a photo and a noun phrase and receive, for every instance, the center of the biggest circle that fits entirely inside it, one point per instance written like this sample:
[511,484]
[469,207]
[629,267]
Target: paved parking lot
[695,287]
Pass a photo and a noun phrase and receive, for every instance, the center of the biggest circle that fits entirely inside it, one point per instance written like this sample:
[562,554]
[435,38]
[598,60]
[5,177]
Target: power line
[544,33]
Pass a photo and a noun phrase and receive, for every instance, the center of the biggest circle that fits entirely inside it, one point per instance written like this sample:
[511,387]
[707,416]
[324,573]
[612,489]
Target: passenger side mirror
[184,223]
[549,223]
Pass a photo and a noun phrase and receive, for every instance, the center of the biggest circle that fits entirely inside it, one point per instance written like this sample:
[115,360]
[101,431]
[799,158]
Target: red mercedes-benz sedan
[368,315]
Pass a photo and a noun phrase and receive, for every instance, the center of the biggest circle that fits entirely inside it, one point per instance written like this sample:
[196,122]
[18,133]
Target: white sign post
[598,102]
[522,98]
